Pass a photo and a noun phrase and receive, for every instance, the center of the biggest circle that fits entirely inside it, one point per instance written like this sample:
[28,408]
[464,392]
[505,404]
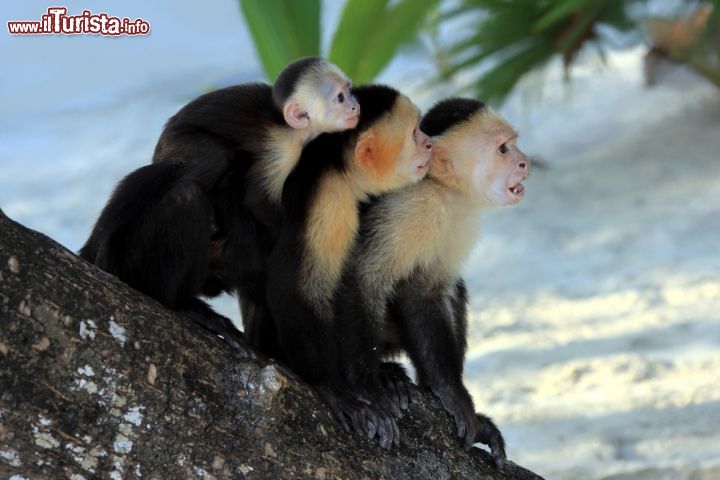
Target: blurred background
[594,339]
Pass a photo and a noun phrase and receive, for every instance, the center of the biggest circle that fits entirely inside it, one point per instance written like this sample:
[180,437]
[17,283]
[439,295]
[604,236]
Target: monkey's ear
[366,150]
[440,162]
[294,116]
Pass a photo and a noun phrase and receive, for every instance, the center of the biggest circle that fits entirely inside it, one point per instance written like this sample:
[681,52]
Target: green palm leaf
[370,33]
[283,30]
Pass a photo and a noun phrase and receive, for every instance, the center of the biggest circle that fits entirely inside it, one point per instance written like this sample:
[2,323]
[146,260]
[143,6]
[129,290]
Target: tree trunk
[100,381]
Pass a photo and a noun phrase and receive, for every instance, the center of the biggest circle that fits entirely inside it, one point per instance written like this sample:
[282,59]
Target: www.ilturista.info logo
[57,22]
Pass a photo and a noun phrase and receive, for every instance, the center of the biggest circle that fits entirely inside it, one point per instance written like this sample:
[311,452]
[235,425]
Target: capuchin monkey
[320,222]
[198,220]
[402,291]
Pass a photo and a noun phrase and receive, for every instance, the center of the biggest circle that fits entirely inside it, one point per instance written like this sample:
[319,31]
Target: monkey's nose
[522,165]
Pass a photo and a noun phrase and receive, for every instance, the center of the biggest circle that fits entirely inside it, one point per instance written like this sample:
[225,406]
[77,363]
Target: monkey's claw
[361,417]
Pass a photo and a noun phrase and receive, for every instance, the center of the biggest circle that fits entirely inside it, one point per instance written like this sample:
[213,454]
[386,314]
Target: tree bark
[100,381]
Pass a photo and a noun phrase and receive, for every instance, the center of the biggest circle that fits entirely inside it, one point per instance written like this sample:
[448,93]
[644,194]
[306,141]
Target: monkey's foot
[357,413]
[397,388]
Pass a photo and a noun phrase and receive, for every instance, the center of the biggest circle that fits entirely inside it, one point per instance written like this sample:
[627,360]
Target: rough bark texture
[99,381]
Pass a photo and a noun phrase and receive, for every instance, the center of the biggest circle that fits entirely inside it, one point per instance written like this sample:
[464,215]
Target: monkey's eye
[503,149]
[340,97]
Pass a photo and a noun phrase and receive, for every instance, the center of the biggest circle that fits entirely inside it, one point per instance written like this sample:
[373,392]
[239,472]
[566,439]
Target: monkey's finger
[391,405]
[461,428]
[372,423]
[341,416]
[405,396]
[414,393]
[334,403]
[359,421]
[468,442]
[397,433]
[362,398]
[385,434]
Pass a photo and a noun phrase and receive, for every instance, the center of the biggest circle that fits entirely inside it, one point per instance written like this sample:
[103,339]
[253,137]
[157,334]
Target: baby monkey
[402,291]
[197,221]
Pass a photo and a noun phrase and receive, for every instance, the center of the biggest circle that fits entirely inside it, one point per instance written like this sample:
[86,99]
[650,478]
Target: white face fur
[323,102]
[481,158]
[498,173]
[417,148]
[394,150]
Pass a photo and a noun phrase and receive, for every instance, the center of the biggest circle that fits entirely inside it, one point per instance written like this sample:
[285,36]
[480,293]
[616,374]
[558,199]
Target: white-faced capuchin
[185,226]
[320,222]
[402,291]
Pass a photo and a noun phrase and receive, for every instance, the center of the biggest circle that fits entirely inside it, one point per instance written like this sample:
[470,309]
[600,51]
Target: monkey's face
[481,159]
[394,149]
[499,173]
[325,104]
[413,158]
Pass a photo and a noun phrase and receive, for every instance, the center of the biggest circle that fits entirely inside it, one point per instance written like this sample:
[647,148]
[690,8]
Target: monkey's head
[389,146]
[314,94]
[476,152]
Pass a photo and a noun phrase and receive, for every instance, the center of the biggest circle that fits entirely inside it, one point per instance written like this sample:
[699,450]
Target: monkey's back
[237,118]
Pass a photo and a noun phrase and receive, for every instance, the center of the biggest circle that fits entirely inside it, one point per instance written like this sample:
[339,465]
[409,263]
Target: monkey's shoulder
[322,157]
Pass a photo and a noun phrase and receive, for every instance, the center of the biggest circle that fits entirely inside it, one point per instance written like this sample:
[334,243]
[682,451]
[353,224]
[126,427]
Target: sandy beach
[595,339]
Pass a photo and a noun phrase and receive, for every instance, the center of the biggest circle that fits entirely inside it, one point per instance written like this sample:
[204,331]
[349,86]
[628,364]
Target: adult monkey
[319,227]
[402,291]
[179,228]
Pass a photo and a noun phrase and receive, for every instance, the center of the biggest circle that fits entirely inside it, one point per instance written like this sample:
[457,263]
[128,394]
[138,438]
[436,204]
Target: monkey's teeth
[517,189]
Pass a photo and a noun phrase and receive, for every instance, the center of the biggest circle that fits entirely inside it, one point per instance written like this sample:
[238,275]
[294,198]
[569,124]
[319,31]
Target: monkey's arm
[426,317]
[361,347]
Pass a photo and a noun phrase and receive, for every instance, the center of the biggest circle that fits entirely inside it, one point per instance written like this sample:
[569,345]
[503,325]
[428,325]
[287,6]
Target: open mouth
[517,189]
[353,120]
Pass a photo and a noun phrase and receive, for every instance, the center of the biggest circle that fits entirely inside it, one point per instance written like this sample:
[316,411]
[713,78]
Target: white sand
[595,340]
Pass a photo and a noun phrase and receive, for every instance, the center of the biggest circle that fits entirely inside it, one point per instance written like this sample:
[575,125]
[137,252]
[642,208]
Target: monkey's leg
[459,302]
[160,228]
[360,347]
[429,338]
[310,348]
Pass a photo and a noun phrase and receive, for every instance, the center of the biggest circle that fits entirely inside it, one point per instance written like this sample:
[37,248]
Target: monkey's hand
[396,388]
[356,412]
[457,402]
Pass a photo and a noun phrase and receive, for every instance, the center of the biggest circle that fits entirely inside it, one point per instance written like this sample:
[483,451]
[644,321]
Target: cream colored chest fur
[421,227]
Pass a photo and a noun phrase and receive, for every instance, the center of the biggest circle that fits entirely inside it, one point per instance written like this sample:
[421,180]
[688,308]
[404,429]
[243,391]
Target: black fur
[192,223]
[425,317]
[287,80]
[155,234]
[306,341]
[449,113]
